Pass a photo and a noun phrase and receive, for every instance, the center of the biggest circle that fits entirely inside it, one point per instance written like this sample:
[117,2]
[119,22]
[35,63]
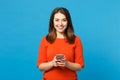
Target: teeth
[60,27]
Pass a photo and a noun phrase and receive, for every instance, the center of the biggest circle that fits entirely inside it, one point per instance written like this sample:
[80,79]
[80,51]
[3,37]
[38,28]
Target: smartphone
[59,56]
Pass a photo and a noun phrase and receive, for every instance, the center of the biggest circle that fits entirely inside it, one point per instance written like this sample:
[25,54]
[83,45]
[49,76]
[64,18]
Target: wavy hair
[69,32]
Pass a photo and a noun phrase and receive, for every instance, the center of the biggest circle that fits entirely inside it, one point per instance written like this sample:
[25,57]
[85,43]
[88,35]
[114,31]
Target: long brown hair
[69,32]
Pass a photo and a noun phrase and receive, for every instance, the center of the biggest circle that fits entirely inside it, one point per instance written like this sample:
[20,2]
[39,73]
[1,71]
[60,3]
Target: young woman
[60,53]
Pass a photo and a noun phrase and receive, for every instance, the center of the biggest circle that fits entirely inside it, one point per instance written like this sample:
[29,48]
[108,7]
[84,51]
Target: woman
[60,53]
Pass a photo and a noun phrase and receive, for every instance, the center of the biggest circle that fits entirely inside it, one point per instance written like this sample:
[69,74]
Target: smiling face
[60,22]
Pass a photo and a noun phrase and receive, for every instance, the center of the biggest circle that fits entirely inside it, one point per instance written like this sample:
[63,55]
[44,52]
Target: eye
[56,19]
[64,20]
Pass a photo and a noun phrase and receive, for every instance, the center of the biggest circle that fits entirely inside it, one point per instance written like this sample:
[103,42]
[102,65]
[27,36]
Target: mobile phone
[59,56]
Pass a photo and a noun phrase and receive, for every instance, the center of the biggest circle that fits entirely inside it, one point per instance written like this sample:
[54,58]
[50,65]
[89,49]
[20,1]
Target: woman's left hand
[62,62]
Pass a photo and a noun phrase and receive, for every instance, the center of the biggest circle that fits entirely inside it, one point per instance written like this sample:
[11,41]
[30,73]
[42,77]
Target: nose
[60,22]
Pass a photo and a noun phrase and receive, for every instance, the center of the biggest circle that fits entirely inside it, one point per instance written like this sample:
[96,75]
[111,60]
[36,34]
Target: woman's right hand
[59,60]
[55,64]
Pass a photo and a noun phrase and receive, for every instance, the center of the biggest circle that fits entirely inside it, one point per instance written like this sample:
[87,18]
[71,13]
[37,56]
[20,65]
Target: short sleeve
[42,52]
[79,52]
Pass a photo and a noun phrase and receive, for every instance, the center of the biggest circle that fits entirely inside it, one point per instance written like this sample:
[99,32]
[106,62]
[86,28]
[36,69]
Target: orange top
[73,53]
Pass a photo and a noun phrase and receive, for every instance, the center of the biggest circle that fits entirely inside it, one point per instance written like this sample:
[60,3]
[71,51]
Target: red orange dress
[73,53]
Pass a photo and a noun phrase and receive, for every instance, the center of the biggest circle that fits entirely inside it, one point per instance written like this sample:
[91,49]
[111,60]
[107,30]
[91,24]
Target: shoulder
[77,39]
[44,40]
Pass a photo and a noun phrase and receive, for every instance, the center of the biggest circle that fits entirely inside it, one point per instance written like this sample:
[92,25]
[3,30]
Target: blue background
[24,22]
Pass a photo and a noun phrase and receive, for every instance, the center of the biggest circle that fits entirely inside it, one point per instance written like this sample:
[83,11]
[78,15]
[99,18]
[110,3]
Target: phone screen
[59,56]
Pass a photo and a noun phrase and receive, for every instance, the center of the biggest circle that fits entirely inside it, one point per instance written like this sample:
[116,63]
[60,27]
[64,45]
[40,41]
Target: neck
[60,35]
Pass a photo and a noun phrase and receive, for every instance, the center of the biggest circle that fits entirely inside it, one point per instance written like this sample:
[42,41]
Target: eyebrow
[58,18]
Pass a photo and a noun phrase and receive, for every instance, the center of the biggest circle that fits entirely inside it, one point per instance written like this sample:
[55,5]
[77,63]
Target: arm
[73,66]
[70,65]
[46,66]
[42,63]
[79,61]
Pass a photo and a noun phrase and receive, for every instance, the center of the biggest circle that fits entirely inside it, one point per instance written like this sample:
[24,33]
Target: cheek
[55,26]
[65,24]
[55,23]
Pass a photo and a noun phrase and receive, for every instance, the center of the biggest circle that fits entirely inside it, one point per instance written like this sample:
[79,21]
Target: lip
[60,27]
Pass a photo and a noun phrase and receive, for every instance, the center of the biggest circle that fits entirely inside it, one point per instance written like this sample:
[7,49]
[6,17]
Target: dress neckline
[60,38]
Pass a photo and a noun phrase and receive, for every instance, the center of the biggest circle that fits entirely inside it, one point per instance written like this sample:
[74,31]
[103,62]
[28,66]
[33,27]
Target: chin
[60,31]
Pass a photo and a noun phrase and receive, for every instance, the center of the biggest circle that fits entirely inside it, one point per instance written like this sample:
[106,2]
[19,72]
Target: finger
[61,63]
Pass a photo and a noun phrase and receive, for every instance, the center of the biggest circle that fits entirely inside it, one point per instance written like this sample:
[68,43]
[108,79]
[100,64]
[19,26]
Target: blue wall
[24,22]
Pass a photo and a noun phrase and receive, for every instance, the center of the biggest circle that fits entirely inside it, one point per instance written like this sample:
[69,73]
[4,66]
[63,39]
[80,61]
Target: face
[60,22]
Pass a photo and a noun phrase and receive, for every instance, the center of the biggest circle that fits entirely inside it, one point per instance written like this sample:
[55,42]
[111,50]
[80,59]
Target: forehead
[59,15]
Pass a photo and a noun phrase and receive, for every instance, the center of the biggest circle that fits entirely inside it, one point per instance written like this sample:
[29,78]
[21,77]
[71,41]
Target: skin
[60,24]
